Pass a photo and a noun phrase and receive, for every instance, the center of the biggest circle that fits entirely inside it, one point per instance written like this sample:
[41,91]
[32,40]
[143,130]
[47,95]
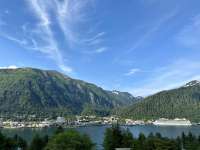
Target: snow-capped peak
[192,83]
[115,92]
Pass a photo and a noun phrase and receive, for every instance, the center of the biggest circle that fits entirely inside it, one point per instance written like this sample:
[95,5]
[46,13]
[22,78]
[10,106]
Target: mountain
[183,102]
[37,92]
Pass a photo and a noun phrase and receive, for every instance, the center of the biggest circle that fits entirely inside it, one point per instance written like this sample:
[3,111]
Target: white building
[60,120]
[172,122]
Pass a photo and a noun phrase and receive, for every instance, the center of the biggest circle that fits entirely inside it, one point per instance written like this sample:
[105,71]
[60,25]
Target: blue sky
[139,46]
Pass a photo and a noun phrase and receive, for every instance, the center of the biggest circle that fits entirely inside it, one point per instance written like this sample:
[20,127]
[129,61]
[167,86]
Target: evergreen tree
[59,130]
[21,143]
[70,140]
[38,143]
[113,138]
[127,139]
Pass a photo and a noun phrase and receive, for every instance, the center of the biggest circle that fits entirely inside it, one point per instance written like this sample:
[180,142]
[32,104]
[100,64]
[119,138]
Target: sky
[138,46]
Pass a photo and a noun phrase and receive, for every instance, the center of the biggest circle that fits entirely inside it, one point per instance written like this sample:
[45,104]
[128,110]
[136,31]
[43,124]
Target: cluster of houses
[131,122]
[60,121]
[32,124]
[87,121]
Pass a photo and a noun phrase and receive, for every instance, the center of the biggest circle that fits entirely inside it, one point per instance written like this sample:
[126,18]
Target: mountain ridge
[182,102]
[46,93]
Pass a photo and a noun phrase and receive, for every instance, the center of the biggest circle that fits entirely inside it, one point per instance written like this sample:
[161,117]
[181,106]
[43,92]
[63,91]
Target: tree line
[177,103]
[115,137]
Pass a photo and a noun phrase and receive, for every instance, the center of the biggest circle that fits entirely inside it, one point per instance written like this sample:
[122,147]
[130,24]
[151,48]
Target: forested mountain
[183,102]
[38,92]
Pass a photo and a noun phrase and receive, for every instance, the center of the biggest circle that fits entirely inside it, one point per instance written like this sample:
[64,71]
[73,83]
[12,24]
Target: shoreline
[85,121]
[102,125]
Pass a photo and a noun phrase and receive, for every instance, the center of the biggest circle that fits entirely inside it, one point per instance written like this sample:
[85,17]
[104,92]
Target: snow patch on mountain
[115,92]
[192,83]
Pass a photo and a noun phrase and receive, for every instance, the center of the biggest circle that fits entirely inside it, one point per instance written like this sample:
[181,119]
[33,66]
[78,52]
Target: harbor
[79,121]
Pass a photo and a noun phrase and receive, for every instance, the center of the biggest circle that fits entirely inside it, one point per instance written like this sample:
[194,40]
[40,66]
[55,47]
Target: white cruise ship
[170,122]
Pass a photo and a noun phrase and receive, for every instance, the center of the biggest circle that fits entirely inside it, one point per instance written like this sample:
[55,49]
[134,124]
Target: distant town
[78,121]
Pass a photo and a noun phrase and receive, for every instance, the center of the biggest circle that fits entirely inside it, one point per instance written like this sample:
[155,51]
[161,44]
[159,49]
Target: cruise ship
[172,122]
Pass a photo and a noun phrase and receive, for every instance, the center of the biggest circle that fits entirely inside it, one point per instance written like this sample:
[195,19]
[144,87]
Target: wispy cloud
[97,50]
[69,13]
[101,50]
[168,77]
[132,72]
[40,37]
[190,34]
[45,33]
[21,42]
[97,39]
[152,30]
[68,16]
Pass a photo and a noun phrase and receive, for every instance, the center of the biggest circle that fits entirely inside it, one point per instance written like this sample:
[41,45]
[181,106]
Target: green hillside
[28,91]
[183,102]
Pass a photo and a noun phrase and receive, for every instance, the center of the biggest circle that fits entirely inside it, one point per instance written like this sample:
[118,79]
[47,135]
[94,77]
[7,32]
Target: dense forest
[27,91]
[114,137]
[183,102]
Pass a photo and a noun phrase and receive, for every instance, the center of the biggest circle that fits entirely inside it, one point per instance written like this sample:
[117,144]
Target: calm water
[97,132]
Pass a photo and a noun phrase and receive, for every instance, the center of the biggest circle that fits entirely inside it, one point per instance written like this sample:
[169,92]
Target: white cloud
[40,36]
[21,42]
[66,12]
[168,77]
[69,16]
[189,36]
[71,13]
[132,72]
[101,50]
[97,39]
[9,67]
[96,51]
[45,41]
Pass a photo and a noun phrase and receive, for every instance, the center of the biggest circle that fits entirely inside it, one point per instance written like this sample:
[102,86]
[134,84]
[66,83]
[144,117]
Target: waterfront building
[172,122]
